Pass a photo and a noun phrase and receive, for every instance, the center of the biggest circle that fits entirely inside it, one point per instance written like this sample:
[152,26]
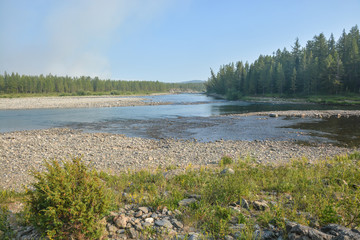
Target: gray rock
[138,214]
[341,232]
[300,232]
[145,210]
[227,171]
[274,115]
[177,223]
[111,228]
[244,203]
[228,237]
[163,223]
[187,201]
[149,220]
[132,233]
[121,221]
[193,236]
[196,196]
[260,205]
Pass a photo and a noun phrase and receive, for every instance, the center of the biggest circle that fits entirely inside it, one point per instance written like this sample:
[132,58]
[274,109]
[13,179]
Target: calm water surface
[191,116]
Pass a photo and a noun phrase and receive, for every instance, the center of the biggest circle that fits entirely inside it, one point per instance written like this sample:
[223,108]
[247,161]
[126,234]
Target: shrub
[68,200]
[226,160]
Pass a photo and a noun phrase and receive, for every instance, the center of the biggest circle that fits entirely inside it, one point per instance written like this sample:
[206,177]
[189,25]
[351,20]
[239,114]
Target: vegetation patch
[69,200]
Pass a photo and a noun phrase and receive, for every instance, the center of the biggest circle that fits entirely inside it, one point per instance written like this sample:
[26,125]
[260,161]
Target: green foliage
[68,200]
[321,67]
[14,84]
[226,160]
[5,229]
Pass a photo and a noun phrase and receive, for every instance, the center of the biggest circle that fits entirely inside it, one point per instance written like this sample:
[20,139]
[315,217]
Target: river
[193,116]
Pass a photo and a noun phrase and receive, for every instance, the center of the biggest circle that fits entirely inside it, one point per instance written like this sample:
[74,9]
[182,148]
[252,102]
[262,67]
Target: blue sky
[165,40]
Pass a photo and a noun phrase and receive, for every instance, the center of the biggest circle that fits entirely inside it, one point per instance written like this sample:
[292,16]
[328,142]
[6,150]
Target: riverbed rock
[301,232]
[341,232]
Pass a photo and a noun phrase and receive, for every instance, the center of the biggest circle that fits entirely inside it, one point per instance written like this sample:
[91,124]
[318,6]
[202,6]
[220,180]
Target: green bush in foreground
[68,200]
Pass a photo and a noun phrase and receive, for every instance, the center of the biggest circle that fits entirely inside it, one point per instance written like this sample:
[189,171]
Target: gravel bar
[25,150]
[73,102]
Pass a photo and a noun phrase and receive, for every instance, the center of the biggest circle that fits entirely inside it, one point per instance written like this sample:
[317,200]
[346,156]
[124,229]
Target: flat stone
[149,220]
[299,232]
[177,223]
[163,223]
[227,171]
[187,201]
[145,210]
[260,205]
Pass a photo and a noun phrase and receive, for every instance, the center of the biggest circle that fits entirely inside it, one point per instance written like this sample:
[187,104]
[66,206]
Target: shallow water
[192,116]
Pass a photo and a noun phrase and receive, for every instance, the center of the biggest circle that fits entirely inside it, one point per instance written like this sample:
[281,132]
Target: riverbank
[305,113]
[74,102]
[25,150]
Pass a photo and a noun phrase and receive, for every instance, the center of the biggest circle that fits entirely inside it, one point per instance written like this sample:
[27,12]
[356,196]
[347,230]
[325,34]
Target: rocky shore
[73,102]
[306,113]
[25,150]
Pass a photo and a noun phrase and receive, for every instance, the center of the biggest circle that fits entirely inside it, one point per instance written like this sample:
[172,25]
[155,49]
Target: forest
[24,84]
[323,66]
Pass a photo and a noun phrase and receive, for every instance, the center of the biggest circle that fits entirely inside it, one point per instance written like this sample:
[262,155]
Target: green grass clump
[68,201]
[226,160]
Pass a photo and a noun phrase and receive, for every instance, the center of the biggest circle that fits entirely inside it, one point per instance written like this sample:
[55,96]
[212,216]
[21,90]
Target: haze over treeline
[323,66]
[14,84]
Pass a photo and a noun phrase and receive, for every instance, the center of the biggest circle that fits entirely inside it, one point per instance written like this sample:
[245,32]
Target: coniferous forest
[25,84]
[323,66]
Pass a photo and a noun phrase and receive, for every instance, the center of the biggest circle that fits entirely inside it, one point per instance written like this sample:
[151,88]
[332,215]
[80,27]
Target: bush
[68,200]
[226,160]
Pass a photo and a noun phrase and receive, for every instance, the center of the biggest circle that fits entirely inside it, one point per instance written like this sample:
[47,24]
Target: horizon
[166,41]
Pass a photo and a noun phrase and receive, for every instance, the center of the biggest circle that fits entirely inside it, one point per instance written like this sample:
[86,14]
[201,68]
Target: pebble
[25,150]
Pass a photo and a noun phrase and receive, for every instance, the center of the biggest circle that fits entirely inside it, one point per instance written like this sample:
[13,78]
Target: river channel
[193,116]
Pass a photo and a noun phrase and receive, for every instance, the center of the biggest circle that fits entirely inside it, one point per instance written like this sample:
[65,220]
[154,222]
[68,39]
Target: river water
[192,116]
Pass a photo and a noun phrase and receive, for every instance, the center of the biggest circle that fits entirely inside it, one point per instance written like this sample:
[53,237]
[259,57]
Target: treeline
[15,83]
[323,66]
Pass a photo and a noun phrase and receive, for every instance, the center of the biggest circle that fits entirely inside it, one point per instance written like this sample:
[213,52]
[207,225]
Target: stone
[149,220]
[228,237]
[341,232]
[193,236]
[132,233]
[138,214]
[187,201]
[145,210]
[163,223]
[244,203]
[227,171]
[275,115]
[146,224]
[121,221]
[196,196]
[177,223]
[301,232]
[260,205]
[111,228]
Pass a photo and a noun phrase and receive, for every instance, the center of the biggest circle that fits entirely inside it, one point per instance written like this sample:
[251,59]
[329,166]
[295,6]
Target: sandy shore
[73,102]
[25,150]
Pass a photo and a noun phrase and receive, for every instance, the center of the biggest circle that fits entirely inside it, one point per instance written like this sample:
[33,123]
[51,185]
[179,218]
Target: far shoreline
[55,102]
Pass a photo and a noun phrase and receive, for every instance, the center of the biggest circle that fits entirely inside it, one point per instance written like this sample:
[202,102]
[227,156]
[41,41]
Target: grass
[341,99]
[314,194]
